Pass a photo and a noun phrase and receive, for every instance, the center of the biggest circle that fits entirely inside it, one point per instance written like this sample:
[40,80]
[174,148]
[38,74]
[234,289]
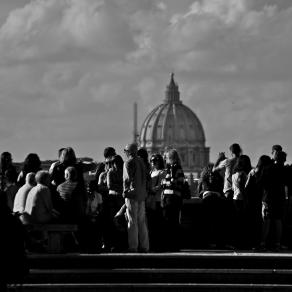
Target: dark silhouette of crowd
[131,204]
[249,206]
[135,204]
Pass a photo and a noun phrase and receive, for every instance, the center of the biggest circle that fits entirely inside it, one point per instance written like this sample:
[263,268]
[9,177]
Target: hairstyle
[60,151]
[118,161]
[157,158]
[131,148]
[42,177]
[30,178]
[280,156]
[72,173]
[263,162]
[108,152]
[211,180]
[32,163]
[243,164]
[173,156]
[207,170]
[142,153]
[68,156]
[277,148]
[6,159]
[235,149]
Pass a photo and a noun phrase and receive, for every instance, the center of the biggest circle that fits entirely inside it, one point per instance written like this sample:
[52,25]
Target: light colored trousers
[137,226]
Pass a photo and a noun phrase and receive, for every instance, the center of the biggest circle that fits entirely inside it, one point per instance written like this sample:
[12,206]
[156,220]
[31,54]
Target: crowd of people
[130,204]
[244,207]
[134,204]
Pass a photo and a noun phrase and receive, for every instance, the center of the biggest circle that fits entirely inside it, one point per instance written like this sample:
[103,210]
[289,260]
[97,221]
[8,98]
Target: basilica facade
[172,124]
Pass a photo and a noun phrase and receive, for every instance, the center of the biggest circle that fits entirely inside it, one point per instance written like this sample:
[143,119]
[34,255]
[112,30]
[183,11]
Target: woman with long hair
[172,198]
[154,211]
[254,192]
[32,163]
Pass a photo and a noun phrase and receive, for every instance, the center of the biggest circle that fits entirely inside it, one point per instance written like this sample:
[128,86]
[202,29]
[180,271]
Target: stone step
[183,260]
[242,276]
[145,287]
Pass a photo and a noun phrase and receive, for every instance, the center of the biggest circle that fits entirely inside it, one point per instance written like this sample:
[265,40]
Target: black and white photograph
[145,145]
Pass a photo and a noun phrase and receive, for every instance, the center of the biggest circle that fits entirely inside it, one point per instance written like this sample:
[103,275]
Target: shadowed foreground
[189,270]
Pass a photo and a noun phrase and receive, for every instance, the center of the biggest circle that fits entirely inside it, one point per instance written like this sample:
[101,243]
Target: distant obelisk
[135,129]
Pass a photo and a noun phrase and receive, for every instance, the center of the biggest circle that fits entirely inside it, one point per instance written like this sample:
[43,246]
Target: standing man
[134,180]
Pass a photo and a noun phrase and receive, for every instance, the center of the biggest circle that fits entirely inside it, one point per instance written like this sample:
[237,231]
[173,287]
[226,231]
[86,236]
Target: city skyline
[71,70]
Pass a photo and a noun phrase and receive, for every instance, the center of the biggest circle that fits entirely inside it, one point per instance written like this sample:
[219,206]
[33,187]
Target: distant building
[174,125]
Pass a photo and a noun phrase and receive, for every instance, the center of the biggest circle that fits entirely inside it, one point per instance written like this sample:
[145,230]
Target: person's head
[42,177]
[280,157]
[30,179]
[208,175]
[6,159]
[243,164]
[263,162]
[172,157]
[131,149]
[118,162]
[60,152]
[276,148]
[109,153]
[32,163]
[235,149]
[68,156]
[142,153]
[70,173]
[157,161]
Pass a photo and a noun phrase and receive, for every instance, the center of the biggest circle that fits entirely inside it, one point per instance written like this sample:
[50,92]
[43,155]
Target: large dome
[172,124]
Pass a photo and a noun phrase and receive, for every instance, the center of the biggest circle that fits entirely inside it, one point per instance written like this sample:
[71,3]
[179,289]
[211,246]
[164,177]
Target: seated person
[21,195]
[39,207]
[73,199]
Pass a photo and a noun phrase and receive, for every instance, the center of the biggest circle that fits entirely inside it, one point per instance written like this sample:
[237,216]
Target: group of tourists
[127,205]
[134,204]
[244,207]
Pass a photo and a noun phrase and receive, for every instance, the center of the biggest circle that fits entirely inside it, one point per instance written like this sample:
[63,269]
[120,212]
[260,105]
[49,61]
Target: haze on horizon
[70,71]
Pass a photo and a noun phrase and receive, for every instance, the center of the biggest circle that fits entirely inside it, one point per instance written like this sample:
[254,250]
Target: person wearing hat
[135,193]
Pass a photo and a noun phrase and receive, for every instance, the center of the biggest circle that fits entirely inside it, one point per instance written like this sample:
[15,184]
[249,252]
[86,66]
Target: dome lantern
[172,92]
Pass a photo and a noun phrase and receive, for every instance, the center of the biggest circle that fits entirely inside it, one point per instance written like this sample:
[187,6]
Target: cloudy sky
[70,71]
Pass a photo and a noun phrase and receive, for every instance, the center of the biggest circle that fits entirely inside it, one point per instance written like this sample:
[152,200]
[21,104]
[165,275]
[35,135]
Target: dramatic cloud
[70,71]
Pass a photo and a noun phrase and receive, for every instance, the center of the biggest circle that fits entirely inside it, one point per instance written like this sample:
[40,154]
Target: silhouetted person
[210,190]
[14,266]
[275,182]
[6,164]
[254,192]
[135,193]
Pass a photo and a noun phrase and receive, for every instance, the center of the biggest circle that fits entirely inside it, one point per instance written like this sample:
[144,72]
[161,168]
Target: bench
[54,235]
